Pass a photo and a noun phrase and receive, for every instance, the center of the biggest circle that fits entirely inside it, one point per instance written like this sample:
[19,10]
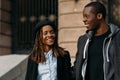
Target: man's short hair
[99,8]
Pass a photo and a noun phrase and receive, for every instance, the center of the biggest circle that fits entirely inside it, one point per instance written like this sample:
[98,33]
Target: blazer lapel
[59,68]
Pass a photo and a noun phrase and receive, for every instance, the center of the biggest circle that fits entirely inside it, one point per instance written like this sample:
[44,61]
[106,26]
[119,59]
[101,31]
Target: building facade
[5,27]
[18,18]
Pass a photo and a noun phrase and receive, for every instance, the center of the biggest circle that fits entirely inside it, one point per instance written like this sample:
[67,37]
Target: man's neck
[102,29]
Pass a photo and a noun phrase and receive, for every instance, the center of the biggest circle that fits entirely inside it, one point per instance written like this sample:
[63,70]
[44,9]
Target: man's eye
[85,16]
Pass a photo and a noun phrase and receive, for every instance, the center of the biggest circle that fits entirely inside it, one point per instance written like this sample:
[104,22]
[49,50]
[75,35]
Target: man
[98,54]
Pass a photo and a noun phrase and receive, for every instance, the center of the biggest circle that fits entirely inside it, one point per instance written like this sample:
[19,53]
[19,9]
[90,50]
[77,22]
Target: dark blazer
[63,68]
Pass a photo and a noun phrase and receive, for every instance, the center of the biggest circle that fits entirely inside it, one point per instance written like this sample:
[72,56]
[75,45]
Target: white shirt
[48,70]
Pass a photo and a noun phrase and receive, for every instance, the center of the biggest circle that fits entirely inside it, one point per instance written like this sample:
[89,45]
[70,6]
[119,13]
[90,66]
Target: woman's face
[49,36]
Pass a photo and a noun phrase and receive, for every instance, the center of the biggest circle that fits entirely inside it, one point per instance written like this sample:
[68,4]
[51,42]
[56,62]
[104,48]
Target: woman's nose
[49,34]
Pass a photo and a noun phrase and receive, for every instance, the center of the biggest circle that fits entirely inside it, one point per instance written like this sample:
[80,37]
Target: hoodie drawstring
[107,50]
[85,48]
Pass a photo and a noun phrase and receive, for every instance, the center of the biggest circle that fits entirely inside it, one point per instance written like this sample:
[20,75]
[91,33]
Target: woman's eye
[52,32]
[48,32]
[45,33]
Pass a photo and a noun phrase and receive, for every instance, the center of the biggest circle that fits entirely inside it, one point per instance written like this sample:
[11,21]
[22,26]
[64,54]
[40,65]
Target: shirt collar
[49,53]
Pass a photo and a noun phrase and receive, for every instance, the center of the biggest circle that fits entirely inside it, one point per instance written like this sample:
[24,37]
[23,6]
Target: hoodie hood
[114,29]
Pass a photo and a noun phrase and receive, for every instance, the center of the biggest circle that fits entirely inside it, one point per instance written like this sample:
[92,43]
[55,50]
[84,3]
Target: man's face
[90,18]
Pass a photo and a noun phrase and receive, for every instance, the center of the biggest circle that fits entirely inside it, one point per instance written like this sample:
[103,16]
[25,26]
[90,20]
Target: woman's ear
[99,16]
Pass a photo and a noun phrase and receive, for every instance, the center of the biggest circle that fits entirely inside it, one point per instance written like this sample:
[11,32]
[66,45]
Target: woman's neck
[47,48]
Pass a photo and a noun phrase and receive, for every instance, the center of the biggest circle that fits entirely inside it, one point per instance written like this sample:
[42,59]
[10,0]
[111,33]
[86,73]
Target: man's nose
[84,20]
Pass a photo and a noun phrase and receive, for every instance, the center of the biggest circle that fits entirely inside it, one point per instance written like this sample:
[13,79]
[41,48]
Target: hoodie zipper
[104,59]
[105,56]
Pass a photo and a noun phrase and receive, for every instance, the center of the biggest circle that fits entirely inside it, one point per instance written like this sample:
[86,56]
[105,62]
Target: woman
[48,61]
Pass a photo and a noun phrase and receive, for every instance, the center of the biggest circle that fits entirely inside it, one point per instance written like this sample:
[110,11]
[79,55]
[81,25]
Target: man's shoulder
[84,36]
[82,39]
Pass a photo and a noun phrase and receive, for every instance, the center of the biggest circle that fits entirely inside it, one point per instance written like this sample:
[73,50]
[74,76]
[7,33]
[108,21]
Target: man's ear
[99,16]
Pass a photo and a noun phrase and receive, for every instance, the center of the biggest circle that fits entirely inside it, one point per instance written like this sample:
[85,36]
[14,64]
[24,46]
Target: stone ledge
[13,67]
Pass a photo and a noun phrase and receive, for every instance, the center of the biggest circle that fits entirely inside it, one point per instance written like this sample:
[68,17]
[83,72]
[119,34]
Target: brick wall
[5,30]
[70,22]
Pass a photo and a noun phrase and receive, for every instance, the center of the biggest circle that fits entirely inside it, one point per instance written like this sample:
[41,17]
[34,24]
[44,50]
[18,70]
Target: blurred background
[17,23]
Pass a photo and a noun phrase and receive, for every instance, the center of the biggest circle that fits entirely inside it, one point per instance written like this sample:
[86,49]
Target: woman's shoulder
[66,54]
[31,60]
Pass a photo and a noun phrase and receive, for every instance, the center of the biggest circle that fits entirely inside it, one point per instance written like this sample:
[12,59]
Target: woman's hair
[37,54]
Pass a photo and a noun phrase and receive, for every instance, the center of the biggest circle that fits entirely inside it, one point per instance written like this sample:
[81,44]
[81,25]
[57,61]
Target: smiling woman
[47,60]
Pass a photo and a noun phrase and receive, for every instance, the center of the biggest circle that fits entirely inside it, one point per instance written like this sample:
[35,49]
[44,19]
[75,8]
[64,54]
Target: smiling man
[98,50]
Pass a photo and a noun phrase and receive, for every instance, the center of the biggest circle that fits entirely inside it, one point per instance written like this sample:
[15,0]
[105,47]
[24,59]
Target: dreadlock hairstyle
[37,53]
